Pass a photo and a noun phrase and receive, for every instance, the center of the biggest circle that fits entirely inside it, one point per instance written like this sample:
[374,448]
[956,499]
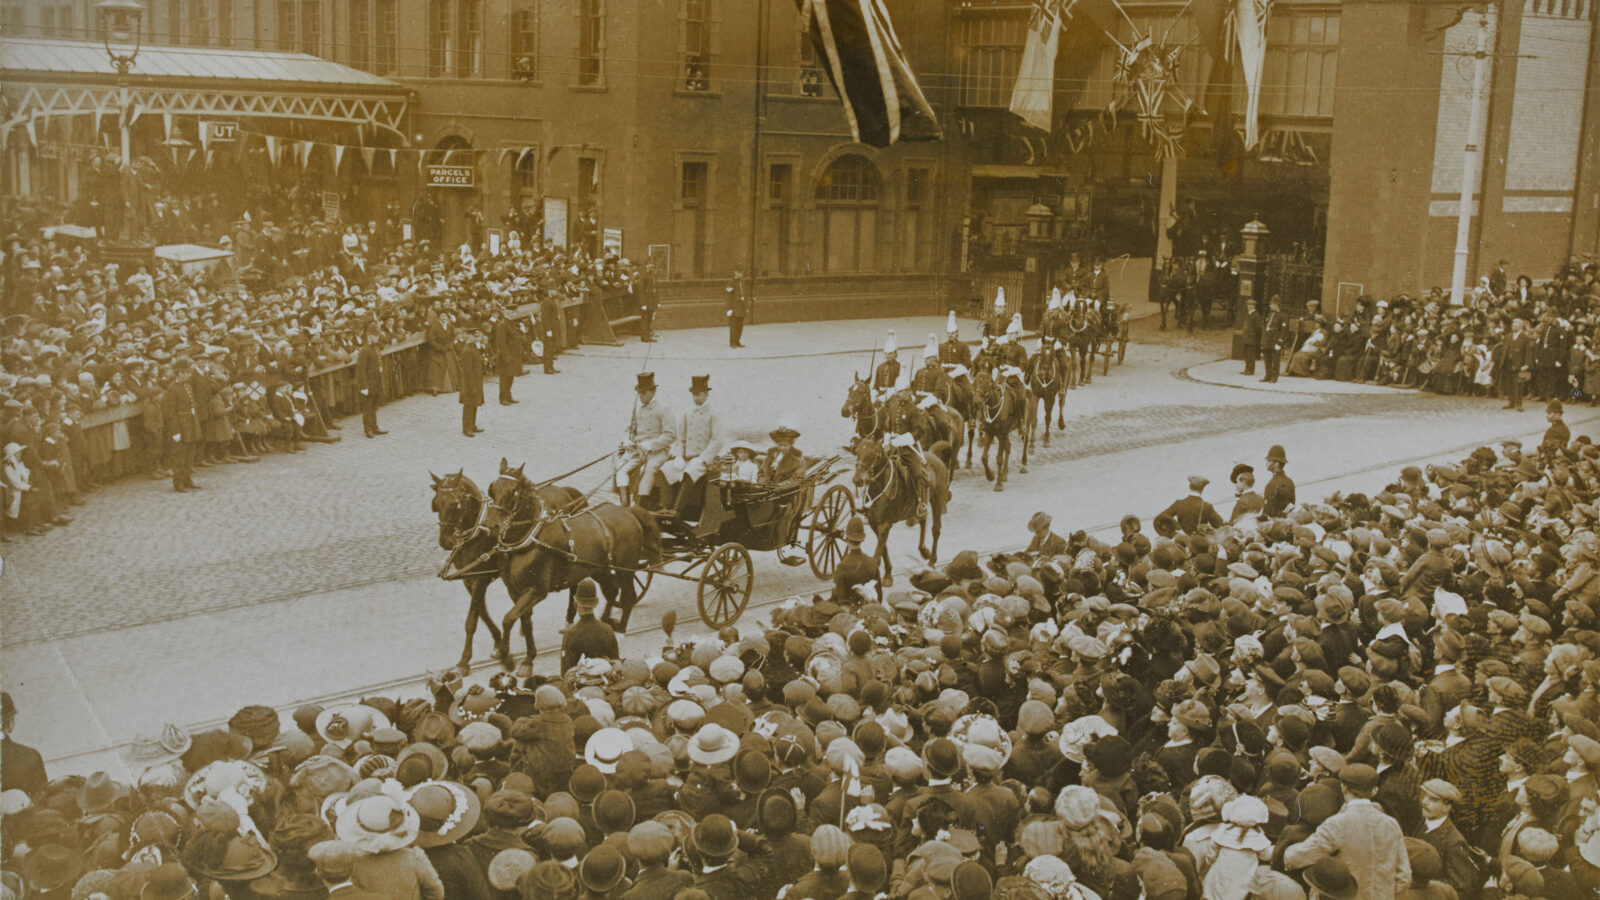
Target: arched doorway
[454,202]
[847,196]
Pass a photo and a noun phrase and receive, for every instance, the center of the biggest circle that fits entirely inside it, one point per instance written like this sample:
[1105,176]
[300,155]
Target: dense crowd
[1509,340]
[263,344]
[1378,695]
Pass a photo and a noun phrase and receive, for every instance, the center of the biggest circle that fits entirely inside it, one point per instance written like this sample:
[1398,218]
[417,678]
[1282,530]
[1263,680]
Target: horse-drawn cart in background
[1113,333]
[740,517]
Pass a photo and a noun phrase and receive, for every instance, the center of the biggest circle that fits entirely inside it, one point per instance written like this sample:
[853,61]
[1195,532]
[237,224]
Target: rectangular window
[199,23]
[779,183]
[175,21]
[441,40]
[224,23]
[525,41]
[690,228]
[57,20]
[692,184]
[775,240]
[311,27]
[591,42]
[13,16]
[1302,61]
[386,59]
[358,36]
[695,45]
[812,78]
[469,38]
[288,27]
[993,55]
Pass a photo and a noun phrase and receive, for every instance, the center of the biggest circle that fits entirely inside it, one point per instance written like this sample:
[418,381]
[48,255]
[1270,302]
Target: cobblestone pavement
[299,576]
[356,512]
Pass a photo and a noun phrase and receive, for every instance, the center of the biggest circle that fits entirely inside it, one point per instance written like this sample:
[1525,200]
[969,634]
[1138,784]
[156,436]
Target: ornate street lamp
[122,30]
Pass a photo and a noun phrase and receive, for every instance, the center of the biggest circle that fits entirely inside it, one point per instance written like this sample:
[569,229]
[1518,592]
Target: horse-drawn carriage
[740,517]
[1113,334]
[540,538]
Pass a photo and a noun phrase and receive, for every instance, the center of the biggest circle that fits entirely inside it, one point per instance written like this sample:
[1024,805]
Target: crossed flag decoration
[858,48]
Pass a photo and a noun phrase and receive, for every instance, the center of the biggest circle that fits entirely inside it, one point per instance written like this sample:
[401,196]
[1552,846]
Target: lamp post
[122,32]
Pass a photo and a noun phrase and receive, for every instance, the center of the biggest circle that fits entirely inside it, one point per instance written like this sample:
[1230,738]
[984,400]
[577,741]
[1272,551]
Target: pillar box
[1254,237]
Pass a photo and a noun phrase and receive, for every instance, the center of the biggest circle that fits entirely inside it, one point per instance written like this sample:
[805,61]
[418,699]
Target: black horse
[862,409]
[459,505]
[1047,382]
[936,425]
[1002,409]
[890,497]
[545,548]
[473,548]
[956,393]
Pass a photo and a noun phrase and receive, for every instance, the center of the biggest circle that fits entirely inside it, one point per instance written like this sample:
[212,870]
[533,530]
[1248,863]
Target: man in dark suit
[335,862]
[1551,346]
[369,382]
[1193,511]
[469,355]
[1254,328]
[1497,280]
[550,330]
[644,293]
[1518,362]
[21,766]
[503,344]
[1274,331]
[182,415]
[739,303]
[1440,832]
[1278,495]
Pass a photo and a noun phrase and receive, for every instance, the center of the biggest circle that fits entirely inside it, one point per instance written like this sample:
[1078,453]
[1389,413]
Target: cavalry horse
[859,406]
[956,394]
[545,547]
[890,497]
[1002,409]
[1047,383]
[1083,332]
[932,426]
[460,506]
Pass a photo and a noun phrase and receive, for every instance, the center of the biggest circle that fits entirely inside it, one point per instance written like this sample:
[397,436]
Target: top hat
[647,382]
[697,383]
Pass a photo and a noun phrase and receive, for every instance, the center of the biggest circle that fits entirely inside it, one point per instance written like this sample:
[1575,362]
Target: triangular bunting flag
[272,149]
[166,126]
[338,156]
[205,135]
[393,157]
[210,155]
[367,156]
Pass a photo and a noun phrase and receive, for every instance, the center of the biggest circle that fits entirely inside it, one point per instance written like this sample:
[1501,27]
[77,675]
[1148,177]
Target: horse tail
[650,551]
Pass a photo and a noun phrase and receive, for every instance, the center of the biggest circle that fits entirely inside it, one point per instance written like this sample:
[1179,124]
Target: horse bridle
[1000,404]
[867,401]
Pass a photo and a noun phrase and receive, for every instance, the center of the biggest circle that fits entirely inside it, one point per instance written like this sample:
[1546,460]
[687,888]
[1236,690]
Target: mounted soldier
[902,445]
[954,352]
[1083,326]
[931,378]
[994,325]
[888,371]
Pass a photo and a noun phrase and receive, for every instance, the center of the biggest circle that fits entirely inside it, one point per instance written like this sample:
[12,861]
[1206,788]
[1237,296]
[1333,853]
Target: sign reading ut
[220,132]
[452,176]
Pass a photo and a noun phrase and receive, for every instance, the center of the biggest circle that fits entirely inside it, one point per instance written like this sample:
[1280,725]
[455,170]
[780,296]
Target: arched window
[847,196]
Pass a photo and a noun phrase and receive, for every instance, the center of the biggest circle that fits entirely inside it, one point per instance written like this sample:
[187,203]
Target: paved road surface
[312,575]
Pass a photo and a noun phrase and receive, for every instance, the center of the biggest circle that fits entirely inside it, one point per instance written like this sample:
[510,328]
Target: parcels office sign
[452,176]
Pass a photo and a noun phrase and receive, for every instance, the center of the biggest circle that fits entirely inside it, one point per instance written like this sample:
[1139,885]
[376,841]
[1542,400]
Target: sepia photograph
[799,450]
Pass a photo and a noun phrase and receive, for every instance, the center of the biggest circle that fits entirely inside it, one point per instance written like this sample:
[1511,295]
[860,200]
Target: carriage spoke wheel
[725,585]
[825,542]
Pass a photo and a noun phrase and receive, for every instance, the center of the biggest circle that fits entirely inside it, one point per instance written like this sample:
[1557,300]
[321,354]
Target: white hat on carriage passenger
[889,345]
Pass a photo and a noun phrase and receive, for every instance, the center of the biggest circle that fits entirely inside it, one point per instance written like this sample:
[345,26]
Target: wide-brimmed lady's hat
[446,811]
[378,824]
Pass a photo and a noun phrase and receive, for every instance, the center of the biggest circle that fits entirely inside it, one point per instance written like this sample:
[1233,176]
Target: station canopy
[49,79]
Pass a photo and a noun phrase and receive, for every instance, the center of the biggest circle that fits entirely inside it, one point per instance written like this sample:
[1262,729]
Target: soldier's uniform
[994,324]
[931,378]
[888,372]
[954,351]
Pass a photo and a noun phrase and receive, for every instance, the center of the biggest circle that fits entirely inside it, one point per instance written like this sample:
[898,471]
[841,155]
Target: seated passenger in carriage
[784,462]
[744,469]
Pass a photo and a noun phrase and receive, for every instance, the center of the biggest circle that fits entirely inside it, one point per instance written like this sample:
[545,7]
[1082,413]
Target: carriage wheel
[825,542]
[725,585]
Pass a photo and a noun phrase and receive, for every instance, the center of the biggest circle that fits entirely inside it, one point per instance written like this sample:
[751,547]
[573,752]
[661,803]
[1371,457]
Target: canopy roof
[88,58]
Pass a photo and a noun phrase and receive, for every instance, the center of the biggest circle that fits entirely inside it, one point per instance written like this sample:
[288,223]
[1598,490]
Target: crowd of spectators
[269,335]
[1378,695]
[1472,348]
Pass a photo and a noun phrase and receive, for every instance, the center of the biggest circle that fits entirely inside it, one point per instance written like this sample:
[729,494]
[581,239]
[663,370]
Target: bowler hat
[602,869]
[585,597]
[714,837]
[1332,878]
